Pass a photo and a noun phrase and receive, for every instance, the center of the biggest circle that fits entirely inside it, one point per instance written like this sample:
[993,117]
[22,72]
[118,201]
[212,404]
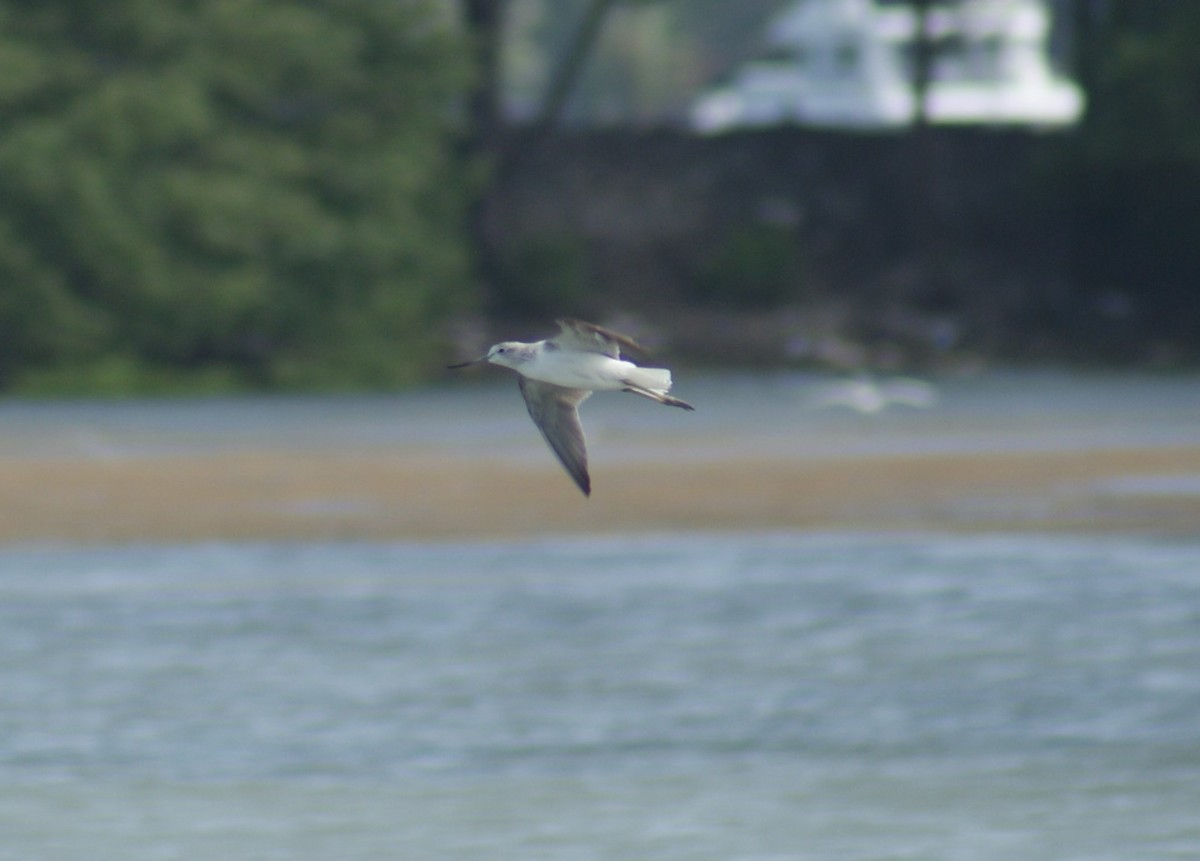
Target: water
[759,413]
[710,697]
[749,697]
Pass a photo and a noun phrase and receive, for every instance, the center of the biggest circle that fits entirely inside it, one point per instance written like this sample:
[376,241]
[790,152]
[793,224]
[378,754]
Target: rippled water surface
[711,697]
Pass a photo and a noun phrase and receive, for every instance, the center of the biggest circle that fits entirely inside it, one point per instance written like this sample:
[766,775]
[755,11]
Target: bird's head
[508,354]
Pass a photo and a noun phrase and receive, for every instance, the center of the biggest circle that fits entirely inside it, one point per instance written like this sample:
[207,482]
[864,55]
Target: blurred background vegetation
[221,193]
[216,194]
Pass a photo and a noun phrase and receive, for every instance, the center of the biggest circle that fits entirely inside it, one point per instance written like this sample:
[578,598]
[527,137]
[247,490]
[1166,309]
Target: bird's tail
[653,383]
[657,380]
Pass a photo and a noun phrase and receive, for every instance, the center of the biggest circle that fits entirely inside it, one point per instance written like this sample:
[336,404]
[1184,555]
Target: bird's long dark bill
[466,364]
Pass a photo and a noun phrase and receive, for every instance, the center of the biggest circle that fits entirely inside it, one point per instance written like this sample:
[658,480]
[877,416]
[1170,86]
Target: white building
[848,63]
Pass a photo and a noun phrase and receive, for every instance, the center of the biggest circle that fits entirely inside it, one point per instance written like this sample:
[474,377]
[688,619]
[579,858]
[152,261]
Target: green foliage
[116,375]
[1131,175]
[755,266]
[543,277]
[1147,90]
[265,192]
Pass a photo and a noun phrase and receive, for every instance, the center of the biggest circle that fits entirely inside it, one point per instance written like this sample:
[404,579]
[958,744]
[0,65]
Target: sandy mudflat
[401,493]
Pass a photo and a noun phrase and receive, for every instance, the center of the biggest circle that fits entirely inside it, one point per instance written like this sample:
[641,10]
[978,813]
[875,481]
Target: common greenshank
[558,374]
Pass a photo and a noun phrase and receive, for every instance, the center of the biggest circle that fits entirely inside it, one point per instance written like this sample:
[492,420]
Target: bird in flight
[558,374]
[866,395]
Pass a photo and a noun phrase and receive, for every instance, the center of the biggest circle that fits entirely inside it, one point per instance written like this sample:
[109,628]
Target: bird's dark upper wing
[590,338]
[554,409]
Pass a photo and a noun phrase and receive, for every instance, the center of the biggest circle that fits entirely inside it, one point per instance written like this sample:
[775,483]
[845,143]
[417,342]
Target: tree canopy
[256,192]
[1131,173]
[287,193]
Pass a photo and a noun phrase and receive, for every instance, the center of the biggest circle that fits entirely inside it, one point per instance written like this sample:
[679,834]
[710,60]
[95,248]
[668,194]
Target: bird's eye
[502,350]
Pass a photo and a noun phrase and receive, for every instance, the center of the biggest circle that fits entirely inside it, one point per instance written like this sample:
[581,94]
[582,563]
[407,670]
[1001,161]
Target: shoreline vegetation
[401,492]
[692,338]
[217,197]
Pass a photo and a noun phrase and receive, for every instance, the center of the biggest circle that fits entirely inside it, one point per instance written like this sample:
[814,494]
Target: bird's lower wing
[555,411]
